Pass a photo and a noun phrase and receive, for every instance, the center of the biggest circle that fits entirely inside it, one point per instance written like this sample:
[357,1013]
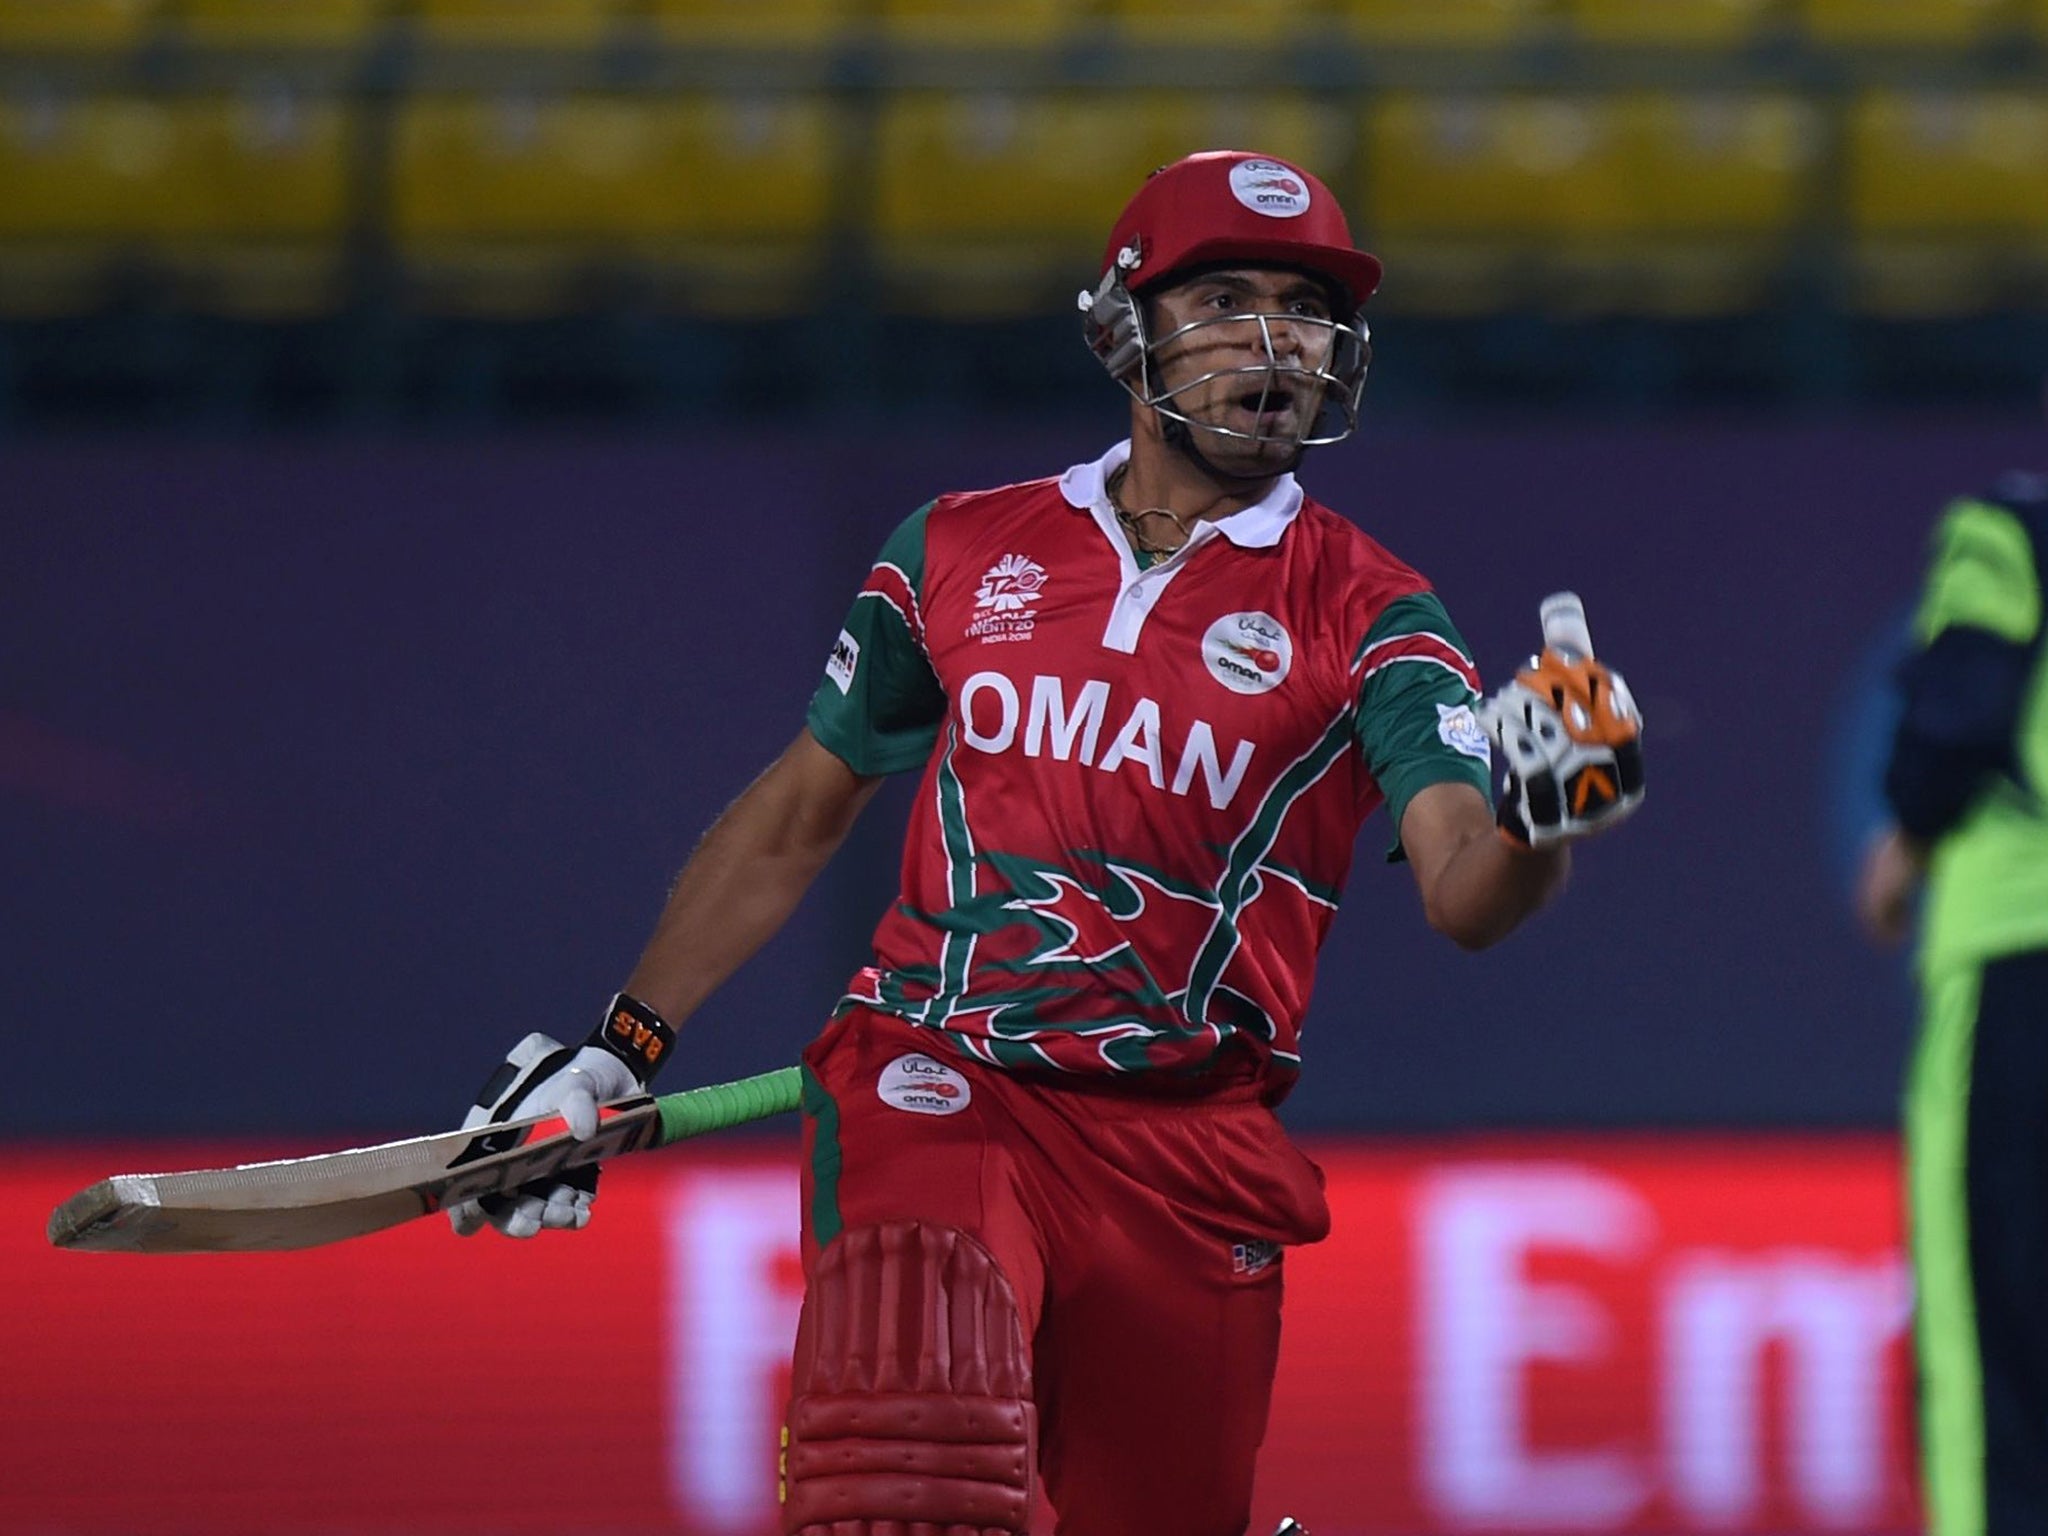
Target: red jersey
[1142,781]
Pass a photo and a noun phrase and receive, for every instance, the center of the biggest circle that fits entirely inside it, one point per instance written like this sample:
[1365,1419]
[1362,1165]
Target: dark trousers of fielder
[1977,1172]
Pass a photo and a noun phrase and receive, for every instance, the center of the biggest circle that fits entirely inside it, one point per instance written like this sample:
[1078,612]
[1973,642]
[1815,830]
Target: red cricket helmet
[1233,205]
[1230,207]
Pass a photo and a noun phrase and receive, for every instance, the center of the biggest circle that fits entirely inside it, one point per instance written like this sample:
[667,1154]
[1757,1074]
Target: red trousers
[1141,1237]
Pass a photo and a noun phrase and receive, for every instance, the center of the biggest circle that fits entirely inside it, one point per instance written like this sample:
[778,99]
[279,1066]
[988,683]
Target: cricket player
[1152,700]
[1968,770]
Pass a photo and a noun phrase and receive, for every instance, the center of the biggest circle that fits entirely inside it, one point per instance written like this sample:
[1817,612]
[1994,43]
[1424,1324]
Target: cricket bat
[302,1202]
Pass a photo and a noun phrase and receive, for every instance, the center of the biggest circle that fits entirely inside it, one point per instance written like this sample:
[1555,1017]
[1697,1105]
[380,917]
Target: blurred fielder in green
[1968,771]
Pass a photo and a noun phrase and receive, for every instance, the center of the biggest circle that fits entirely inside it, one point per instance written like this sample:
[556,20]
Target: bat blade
[303,1202]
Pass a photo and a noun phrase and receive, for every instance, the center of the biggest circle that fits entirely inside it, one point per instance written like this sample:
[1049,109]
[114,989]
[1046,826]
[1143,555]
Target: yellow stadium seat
[1247,25]
[1720,191]
[1665,204]
[1670,23]
[80,25]
[755,182]
[510,203]
[978,23]
[259,185]
[271,194]
[1724,164]
[993,204]
[519,23]
[1880,23]
[258,24]
[1945,198]
[94,168]
[1514,168]
[789,25]
[1446,23]
[85,179]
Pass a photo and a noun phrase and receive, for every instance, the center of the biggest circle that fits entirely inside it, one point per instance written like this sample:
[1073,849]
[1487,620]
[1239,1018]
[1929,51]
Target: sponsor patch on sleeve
[1459,729]
[845,658]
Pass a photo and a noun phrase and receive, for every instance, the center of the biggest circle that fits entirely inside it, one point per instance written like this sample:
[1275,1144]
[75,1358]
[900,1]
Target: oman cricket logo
[1248,652]
[1002,603]
[1268,187]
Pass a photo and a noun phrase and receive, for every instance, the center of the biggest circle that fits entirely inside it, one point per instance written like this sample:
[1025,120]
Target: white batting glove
[541,1076]
[1570,735]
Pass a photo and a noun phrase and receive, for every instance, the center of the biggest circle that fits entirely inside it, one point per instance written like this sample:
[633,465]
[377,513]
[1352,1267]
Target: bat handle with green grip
[695,1111]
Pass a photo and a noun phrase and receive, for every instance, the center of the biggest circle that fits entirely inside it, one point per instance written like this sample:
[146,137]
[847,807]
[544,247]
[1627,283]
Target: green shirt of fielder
[1968,788]
[1981,836]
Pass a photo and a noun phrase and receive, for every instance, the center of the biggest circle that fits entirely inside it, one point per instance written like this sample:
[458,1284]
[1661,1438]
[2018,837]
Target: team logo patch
[1268,187]
[1248,652]
[844,660]
[1459,729]
[923,1086]
[1002,603]
[1252,1255]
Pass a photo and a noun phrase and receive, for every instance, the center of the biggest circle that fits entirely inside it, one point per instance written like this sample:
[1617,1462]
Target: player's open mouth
[1269,408]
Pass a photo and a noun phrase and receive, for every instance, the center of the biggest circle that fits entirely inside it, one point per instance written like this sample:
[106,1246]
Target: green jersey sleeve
[1417,690]
[1983,576]
[880,705]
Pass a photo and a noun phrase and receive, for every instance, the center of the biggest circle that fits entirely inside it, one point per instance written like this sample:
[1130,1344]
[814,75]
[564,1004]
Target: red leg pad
[911,1408]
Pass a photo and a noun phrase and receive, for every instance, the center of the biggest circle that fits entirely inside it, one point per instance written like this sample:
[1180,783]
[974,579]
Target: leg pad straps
[913,1408]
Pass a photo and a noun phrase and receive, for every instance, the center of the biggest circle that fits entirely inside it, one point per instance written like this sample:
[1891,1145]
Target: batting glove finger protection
[1570,736]
[541,1076]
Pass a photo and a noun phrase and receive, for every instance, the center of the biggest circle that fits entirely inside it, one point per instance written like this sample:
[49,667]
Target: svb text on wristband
[637,1035]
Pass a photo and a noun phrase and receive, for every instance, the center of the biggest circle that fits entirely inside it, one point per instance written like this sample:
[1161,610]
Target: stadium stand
[1900,23]
[1721,191]
[237,26]
[793,27]
[517,204]
[1945,200]
[996,204]
[951,164]
[522,24]
[987,24]
[88,179]
[1446,23]
[1671,23]
[1462,191]
[1642,203]
[743,231]
[259,224]
[1239,24]
[91,26]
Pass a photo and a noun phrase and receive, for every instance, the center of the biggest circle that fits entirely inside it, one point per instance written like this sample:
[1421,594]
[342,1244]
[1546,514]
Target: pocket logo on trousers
[923,1086]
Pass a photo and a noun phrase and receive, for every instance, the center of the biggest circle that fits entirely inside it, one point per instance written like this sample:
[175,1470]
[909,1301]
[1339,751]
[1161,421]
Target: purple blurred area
[328,767]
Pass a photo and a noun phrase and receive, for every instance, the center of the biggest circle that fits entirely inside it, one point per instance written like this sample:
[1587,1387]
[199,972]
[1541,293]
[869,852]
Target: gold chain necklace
[1131,521]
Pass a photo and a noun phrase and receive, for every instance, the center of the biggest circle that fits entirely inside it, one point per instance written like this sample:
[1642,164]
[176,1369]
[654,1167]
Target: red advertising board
[1642,1336]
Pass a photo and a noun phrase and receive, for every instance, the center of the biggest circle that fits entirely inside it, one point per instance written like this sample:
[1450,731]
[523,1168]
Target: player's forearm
[746,877]
[1486,888]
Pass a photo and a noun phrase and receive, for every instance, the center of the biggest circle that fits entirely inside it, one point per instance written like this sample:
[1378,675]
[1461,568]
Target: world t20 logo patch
[1002,603]
[1248,652]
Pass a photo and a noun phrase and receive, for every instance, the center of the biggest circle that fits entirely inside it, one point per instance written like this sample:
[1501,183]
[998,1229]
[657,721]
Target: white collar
[1258,526]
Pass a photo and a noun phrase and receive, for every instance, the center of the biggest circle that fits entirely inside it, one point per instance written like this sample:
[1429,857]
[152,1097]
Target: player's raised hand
[1569,734]
[542,1076]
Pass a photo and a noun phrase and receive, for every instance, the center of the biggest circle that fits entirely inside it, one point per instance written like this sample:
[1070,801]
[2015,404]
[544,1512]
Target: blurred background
[439,440]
